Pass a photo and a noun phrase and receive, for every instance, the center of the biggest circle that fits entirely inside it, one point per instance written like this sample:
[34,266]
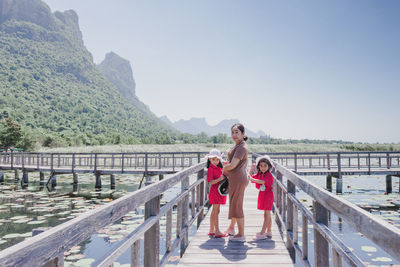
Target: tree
[10,133]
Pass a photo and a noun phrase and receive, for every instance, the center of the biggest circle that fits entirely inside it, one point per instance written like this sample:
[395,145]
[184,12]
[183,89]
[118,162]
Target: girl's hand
[225,162]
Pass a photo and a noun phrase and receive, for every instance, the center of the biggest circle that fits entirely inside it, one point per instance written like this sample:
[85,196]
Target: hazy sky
[294,69]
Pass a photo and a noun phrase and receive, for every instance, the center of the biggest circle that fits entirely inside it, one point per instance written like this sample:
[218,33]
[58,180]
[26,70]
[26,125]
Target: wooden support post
[25,177]
[135,254]
[152,236]
[41,175]
[16,173]
[200,197]
[75,178]
[329,183]
[98,180]
[336,259]
[291,189]
[321,246]
[168,233]
[388,184]
[304,236]
[56,262]
[185,215]
[160,177]
[339,182]
[112,181]
[53,179]
[1,177]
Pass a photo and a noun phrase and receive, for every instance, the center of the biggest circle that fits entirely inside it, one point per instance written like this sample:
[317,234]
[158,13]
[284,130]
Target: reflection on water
[23,209]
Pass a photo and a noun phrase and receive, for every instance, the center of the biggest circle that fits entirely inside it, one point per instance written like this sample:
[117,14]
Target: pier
[291,217]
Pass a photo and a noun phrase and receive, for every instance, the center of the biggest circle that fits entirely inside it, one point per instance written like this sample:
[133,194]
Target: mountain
[119,72]
[50,85]
[198,125]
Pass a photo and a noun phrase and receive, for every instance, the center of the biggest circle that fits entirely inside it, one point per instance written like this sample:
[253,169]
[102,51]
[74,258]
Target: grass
[224,147]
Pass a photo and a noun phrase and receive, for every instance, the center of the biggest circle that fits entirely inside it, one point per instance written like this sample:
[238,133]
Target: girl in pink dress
[264,181]
[214,177]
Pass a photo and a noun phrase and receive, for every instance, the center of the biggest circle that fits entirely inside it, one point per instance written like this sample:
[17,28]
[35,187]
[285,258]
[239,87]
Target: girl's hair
[265,161]
[241,128]
[219,164]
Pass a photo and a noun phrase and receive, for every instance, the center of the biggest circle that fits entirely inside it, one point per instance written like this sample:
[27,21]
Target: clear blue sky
[294,69]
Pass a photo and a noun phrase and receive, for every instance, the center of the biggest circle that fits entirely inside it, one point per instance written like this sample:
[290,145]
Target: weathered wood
[56,262]
[382,233]
[291,190]
[336,259]
[152,236]
[168,231]
[135,254]
[304,237]
[388,184]
[321,246]
[62,237]
[185,215]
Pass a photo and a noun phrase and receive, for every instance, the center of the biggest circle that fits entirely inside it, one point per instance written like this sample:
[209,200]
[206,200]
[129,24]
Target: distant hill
[50,84]
[198,125]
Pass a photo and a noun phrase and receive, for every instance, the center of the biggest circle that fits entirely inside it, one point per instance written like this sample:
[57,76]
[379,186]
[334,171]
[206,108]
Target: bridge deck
[205,251]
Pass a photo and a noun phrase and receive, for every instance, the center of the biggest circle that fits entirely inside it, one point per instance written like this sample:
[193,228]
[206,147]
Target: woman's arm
[230,166]
[217,180]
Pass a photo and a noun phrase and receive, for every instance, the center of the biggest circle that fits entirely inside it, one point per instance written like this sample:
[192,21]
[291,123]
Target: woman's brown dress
[237,180]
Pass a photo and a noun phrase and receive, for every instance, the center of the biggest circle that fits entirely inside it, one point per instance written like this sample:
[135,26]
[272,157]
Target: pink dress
[214,196]
[265,198]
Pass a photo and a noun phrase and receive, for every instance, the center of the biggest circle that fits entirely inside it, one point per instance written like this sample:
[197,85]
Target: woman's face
[237,135]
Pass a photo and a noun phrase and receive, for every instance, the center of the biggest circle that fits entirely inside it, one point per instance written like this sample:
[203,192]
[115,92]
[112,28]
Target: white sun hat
[214,153]
[267,158]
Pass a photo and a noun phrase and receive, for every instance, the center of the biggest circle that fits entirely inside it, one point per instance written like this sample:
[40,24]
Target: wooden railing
[50,245]
[287,209]
[97,162]
[337,160]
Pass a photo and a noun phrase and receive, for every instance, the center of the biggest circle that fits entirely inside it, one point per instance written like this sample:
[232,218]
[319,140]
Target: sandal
[211,234]
[221,235]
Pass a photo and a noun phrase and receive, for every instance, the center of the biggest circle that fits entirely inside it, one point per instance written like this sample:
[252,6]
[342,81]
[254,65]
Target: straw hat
[214,153]
[267,158]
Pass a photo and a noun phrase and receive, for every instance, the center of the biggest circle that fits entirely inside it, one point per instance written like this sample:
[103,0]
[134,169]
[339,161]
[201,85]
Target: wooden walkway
[205,251]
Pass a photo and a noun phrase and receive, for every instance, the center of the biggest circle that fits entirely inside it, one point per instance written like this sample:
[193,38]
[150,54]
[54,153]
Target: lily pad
[3,241]
[13,235]
[368,249]
[37,222]
[28,234]
[386,259]
[85,262]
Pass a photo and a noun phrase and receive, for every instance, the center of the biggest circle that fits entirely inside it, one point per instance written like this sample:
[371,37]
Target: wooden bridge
[339,164]
[47,248]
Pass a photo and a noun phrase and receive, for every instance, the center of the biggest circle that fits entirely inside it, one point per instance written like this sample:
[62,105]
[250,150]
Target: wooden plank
[204,251]
[50,244]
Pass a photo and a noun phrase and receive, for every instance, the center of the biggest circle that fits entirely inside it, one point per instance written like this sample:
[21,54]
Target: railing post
[146,162]
[295,162]
[328,161]
[185,217]
[95,162]
[173,162]
[321,246]
[122,163]
[304,237]
[135,254]
[369,163]
[291,189]
[200,175]
[339,181]
[152,236]
[12,160]
[388,161]
[198,157]
[51,162]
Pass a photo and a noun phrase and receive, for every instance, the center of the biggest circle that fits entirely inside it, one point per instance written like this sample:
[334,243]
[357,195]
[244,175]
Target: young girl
[214,177]
[264,180]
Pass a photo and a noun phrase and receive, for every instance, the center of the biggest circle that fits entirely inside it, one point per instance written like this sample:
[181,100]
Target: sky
[293,69]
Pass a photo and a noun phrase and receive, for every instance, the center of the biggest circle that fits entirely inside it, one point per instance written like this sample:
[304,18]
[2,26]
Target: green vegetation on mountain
[51,87]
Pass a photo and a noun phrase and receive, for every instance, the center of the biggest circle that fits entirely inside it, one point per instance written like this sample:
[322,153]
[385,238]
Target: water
[35,207]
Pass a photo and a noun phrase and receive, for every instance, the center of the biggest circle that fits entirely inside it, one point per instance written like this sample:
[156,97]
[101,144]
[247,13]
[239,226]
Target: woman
[236,171]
